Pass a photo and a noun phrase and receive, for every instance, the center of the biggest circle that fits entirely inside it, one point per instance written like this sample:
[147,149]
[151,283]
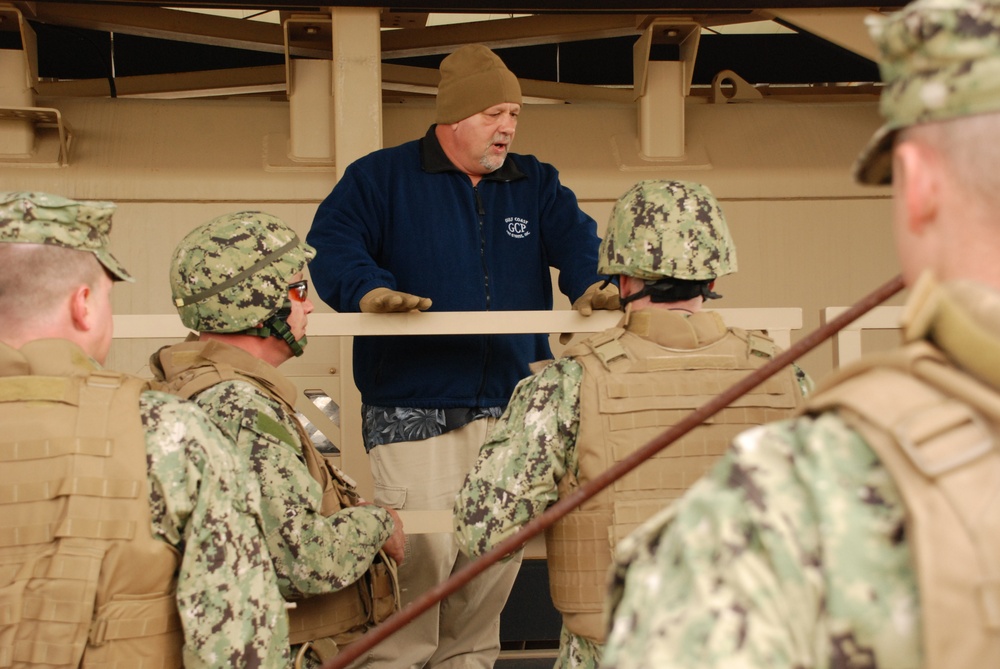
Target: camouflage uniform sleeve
[577,652]
[312,553]
[531,448]
[227,592]
[789,553]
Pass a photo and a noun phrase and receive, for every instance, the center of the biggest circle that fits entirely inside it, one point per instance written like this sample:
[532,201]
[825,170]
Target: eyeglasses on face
[299,291]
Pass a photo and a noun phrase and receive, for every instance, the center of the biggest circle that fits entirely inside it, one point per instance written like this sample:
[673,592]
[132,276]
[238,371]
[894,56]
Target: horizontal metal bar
[145,326]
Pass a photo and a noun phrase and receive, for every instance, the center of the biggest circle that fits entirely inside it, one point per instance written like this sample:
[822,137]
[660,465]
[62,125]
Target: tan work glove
[594,298]
[597,298]
[383,301]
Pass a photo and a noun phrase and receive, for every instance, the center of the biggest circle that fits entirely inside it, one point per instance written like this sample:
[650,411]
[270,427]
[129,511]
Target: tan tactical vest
[638,381]
[935,428]
[83,583]
[330,620]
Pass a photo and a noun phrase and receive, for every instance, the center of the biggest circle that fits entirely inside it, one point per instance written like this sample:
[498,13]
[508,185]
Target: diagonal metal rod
[613,473]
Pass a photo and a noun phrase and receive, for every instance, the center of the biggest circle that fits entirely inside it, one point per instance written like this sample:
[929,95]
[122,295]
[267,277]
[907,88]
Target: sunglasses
[299,291]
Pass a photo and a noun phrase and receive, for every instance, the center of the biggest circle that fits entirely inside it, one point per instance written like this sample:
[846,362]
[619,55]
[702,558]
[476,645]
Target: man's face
[484,139]
[298,319]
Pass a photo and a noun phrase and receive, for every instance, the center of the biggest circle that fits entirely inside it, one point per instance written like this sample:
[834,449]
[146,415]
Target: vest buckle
[98,633]
[103,379]
[609,352]
[943,437]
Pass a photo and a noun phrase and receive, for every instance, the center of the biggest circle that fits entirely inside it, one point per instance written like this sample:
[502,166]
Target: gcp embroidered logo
[517,227]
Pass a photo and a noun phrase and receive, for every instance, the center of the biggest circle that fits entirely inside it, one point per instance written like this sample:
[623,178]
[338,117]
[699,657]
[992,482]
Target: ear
[916,181]
[80,312]
[626,285]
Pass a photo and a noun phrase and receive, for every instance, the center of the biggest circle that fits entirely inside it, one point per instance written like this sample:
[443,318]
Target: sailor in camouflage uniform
[865,533]
[237,281]
[667,242]
[129,537]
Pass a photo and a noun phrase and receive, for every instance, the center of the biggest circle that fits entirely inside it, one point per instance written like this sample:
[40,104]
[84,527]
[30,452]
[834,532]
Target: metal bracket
[306,35]
[686,33]
[11,20]
[742,90]
[42,118]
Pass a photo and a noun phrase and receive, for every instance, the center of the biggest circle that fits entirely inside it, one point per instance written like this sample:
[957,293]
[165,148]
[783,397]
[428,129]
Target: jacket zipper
[481,210]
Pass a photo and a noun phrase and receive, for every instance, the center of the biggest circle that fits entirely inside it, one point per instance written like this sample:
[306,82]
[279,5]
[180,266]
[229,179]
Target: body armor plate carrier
[638,381]
[935,430]
[83,583]
[326,621]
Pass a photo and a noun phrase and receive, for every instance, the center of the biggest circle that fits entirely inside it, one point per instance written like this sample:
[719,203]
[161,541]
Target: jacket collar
[434,161]
[962,318]
[46,357]
[674,329]
[171,361]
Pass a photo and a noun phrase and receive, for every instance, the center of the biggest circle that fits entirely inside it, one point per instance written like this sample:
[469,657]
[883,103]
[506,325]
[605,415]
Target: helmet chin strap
[277,326]
[672,290]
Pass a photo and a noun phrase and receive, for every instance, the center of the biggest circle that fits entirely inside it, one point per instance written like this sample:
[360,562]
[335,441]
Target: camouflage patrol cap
[661,229]
[940,59]
[232,273]
[42,218]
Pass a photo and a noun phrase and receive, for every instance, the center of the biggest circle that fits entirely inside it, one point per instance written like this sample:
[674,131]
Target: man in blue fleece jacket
[450,222]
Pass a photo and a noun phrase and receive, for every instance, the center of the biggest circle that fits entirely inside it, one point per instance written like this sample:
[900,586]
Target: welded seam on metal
[613,473]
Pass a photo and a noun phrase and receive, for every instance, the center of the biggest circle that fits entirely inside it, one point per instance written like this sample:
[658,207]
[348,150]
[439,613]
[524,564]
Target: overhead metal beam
[425,80]
[238,81]
[271,78]
[842,26]
[516,6]
[133,19]
[520,31]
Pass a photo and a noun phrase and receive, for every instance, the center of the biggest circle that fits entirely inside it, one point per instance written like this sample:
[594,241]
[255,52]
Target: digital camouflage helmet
[667,229]
[231,275]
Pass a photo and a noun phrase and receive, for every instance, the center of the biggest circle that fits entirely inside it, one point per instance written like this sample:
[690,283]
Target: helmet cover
[232,273]
[667,229]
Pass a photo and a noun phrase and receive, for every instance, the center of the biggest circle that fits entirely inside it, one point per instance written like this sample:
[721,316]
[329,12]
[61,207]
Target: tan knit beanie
[473,78]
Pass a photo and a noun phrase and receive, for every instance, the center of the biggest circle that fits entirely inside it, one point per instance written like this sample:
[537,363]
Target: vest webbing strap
[205,379]
[160,621]
[328,614]
[70,527]
[86,487]
[32,449]
[38,608]
[43,653]
[94,417]
[26,535]
[693,361]
[67,566]
[96,529]
[37,389]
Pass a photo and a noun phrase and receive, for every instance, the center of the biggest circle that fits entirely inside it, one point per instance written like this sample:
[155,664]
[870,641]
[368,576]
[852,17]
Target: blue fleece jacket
[405,218]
